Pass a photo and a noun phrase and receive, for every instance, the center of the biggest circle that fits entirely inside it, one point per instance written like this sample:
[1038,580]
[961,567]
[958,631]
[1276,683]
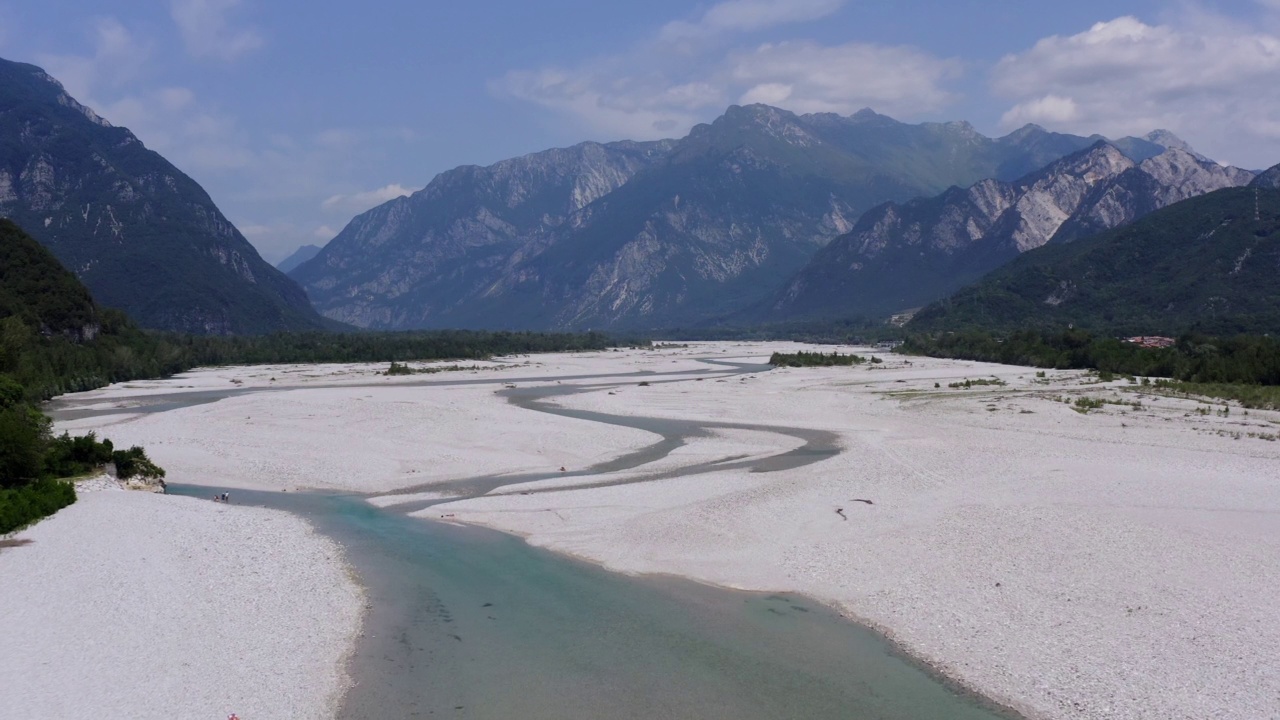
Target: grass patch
[967,383]
[1083,405]
[1254,397]
[403,369]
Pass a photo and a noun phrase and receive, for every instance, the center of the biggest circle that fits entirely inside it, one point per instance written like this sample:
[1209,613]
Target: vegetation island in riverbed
[818,359]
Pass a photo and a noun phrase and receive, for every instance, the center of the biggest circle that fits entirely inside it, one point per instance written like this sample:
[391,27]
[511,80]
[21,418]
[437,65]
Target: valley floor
[1114,563]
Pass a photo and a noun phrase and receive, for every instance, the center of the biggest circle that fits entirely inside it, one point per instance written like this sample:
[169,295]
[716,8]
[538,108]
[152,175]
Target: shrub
[22,506]
[135,463]
[816,359]
[1084,404]
[23,434]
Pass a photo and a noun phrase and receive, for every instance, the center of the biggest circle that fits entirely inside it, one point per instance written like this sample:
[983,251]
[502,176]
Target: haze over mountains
[760,216]
[139,233]
[652,234]
[902,256]
[299,256]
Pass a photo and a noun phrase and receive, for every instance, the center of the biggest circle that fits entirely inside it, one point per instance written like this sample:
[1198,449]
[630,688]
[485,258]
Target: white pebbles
[141,606]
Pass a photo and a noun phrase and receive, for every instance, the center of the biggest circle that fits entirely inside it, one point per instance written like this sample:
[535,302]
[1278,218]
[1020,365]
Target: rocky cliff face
[900,257]
[1207,263]
[140,234]
[425,259]
[645,234]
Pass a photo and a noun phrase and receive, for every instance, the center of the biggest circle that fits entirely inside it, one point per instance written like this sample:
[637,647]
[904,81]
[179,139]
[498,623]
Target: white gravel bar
[143,606]
[1114,564]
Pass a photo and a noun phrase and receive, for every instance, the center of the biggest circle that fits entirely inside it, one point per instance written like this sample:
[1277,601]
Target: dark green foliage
[842,331]
[1197,359]
[135,463]
[1260,397]
[36,289]
[815,359]
[402,369]
[68,456]
[967,383]
[23,433]
[11,392]
[24,505]
[1205,265]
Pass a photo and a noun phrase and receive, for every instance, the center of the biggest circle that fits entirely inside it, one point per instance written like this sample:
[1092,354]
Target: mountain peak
[1028,129]
[1169,141]
[35,80]
[757,112]
[1100,160]
[91,194]
[1268,180]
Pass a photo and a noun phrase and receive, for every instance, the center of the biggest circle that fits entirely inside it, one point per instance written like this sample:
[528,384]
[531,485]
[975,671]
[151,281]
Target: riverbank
[131,604]
[1070,560]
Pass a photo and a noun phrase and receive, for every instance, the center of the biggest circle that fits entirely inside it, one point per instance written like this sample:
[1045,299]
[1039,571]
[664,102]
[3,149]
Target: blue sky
[295,116]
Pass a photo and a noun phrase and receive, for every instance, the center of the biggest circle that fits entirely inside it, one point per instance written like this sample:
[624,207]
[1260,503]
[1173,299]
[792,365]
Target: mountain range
[762,215]
[646,235]
[900,256]
[1208,263]
[143,236]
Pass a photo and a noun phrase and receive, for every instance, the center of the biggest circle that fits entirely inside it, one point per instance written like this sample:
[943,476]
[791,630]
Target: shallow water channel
[465,622]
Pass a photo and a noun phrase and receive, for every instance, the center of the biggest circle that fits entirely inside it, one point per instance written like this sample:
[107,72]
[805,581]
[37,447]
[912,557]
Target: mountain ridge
[703,226]
[1205,264]
[902,256]
[141,234]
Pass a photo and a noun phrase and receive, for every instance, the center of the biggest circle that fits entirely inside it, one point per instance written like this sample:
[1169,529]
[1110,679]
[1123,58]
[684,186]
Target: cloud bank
[1210,80]
[692,69]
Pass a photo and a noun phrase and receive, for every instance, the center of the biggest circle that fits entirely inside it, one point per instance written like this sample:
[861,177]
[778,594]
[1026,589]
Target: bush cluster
[21,506]
[816,359]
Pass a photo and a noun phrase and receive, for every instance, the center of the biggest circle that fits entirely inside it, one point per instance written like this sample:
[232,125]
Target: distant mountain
[1269,179]
[1169,141]
[901,256]
[140,234]
[1207,264]
[640,235]
[741,204]
[668,233]
[299,256]
[36,289]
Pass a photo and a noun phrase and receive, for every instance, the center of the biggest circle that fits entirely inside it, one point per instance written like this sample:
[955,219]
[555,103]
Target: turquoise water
[465,622]
[470,623]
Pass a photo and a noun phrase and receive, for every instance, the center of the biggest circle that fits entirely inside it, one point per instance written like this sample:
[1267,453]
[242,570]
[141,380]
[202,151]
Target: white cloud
[361,201]
[1206,78]
[337,138]
[749,15]
[209,33]
[808,77]
[118,55]
[688,74]
[324,232]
